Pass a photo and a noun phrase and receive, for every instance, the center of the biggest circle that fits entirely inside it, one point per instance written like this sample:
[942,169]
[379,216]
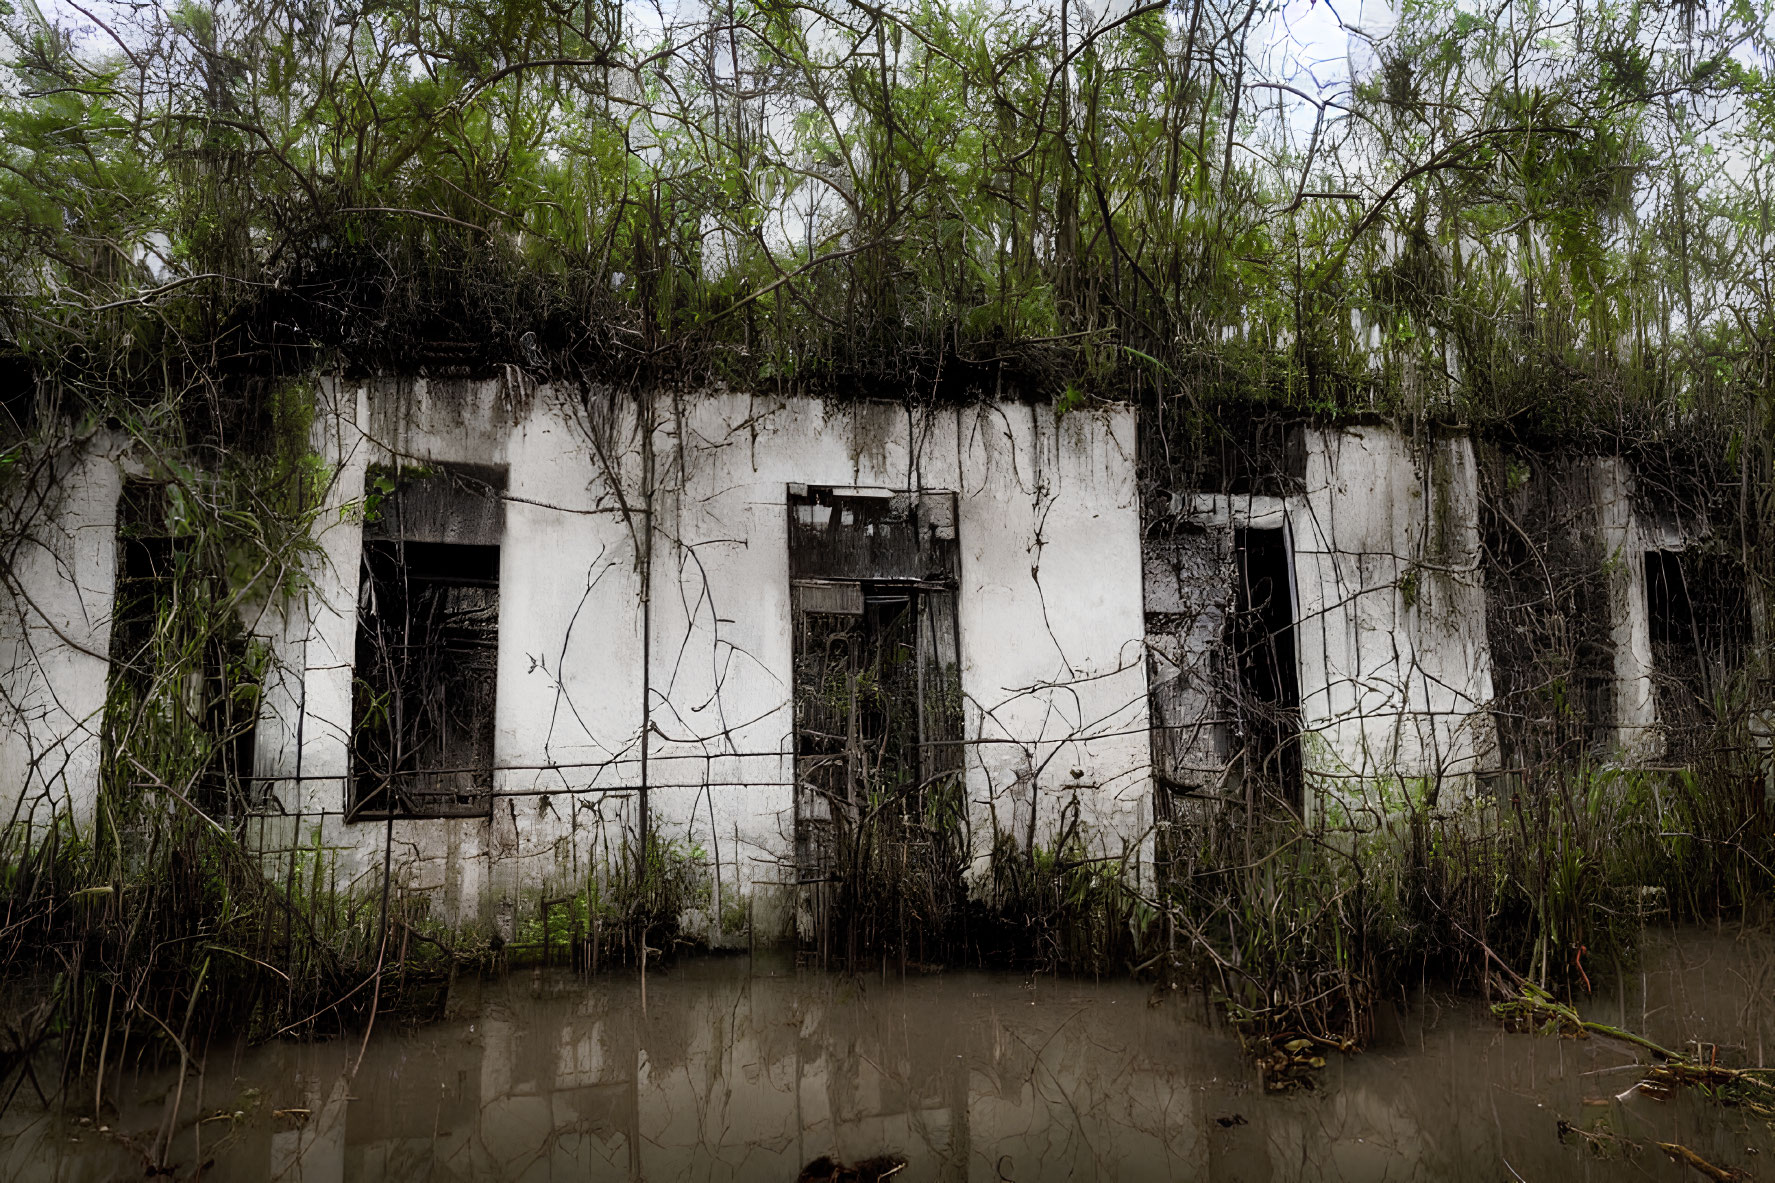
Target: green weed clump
[139,944]
[624,913]
[1061,908]
[1551,882]
[1301,929]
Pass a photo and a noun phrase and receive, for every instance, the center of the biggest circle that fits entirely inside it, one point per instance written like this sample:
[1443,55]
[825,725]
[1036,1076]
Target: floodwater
[738,1069]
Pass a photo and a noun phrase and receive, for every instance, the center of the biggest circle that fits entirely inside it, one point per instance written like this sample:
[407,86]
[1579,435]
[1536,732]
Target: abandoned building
[530,623]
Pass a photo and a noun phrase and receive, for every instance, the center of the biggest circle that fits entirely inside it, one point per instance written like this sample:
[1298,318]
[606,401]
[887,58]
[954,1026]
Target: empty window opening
[184,676]
[423,695]
[877,679]
[1550,612]
[1699,620]
[1671,613]
[1266,694]
[856,534]
[18,395]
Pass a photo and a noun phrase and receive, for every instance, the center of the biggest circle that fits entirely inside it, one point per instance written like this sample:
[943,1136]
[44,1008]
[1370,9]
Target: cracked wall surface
[1389,626]
[1049,602]
[645,627]
[1395,663]
[55,632]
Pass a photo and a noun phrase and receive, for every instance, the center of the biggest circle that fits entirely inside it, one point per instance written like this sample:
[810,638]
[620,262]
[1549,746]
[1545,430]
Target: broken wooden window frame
[1201,637]
[874,580]
[425,664]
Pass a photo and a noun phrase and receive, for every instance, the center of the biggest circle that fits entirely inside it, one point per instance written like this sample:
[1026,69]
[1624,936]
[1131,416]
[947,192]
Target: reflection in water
[746,1070]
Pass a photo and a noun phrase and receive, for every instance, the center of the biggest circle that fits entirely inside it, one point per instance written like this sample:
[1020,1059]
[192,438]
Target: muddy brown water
[739,1069]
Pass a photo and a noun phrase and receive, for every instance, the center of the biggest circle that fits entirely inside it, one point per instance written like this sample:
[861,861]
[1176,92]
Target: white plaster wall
[1050,620]
[1395,671]
[1052,625]
[1394,682]
[566,603]
[1638,737]
[55,633]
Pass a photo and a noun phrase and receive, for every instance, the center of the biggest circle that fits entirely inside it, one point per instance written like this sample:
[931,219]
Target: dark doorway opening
[1670,611]
[1266,697]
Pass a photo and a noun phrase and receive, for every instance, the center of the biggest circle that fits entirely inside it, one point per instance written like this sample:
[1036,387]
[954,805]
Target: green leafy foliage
[1506,208]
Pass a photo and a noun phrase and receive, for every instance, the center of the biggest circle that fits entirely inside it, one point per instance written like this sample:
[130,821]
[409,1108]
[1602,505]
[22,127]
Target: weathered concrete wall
[1625,540]
[55,633]
[1389,635]
[1067,622]
[1049,607]
[1395,668]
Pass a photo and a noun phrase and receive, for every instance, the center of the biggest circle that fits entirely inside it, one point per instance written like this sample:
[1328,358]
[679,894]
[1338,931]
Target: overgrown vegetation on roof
[1554,217]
